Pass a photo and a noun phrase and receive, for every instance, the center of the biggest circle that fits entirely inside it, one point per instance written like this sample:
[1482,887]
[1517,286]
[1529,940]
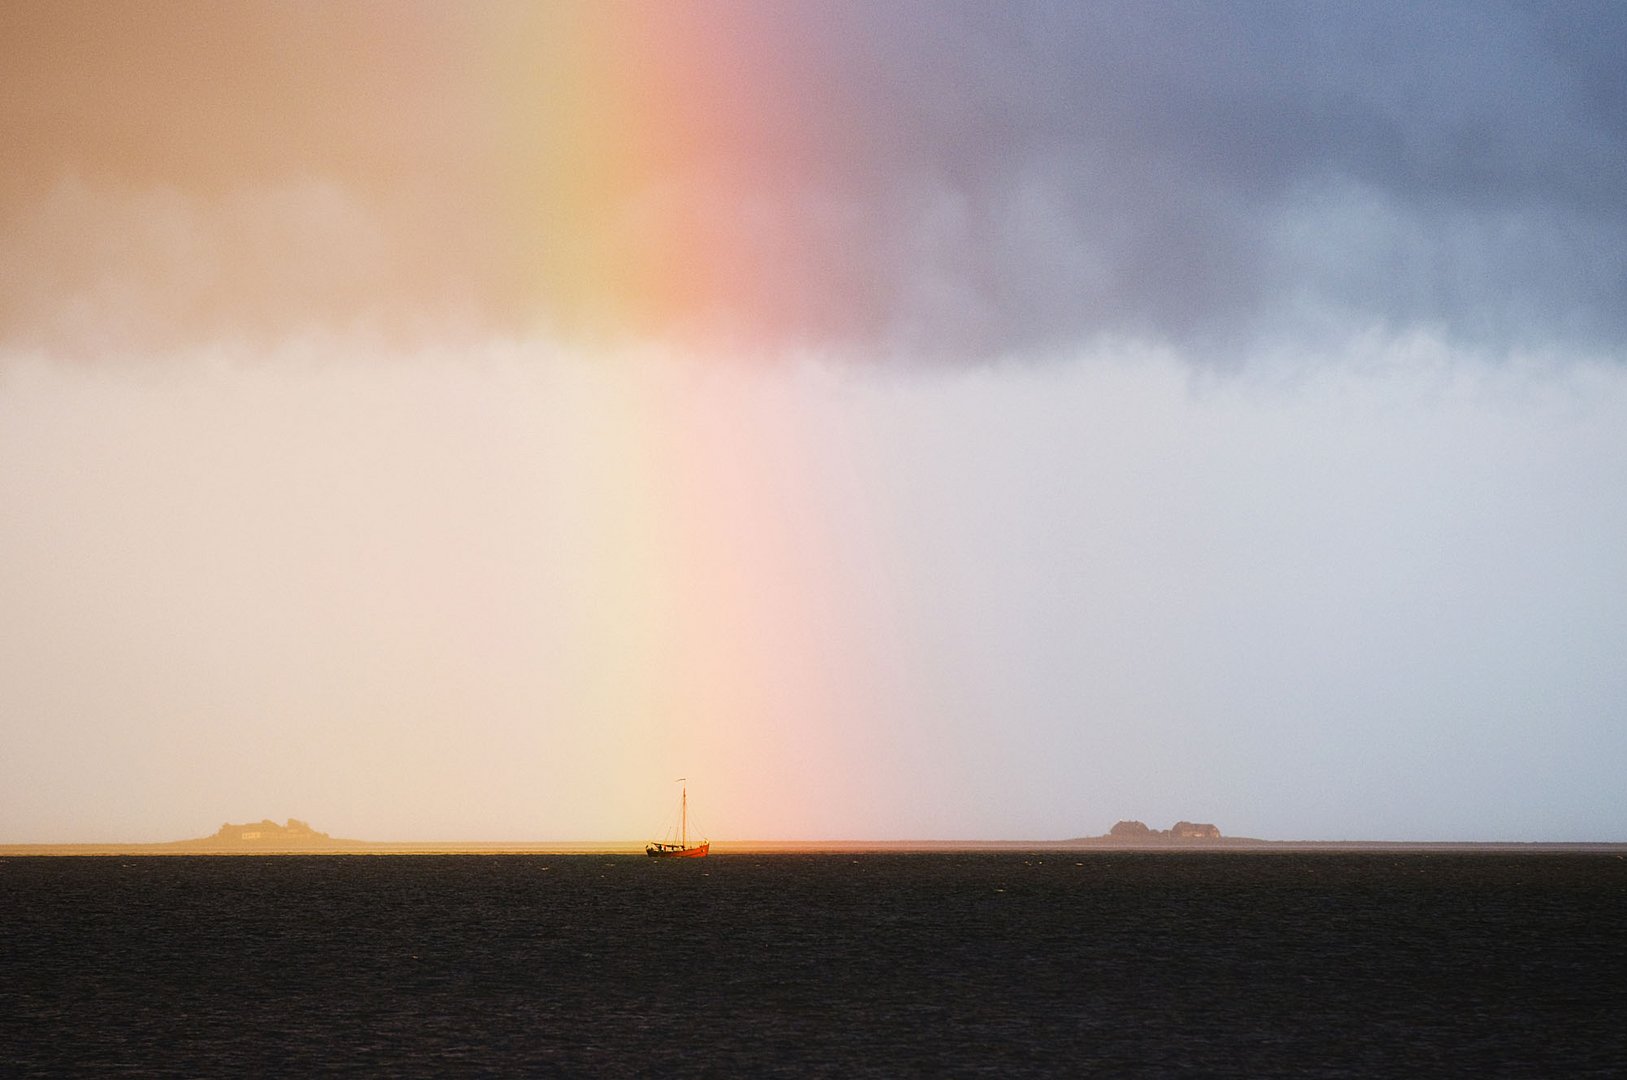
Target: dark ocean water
[793,965]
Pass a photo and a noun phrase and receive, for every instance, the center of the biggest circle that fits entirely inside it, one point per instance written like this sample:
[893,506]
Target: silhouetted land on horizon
[299,838]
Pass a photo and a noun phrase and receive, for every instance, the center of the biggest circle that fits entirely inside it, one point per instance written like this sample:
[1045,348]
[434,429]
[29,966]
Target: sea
[1046,963]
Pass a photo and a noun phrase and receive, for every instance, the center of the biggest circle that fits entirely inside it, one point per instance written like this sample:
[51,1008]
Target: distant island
[266,835]
[1181,830]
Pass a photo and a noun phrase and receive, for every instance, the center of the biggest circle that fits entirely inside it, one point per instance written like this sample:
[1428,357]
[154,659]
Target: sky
[950,421]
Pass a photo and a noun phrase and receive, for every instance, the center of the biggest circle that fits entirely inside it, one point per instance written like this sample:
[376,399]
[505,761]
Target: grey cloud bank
[951,181]
[1222,174]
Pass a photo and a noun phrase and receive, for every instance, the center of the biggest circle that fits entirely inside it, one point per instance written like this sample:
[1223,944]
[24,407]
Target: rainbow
[641,157]
[631,136]
[608,181]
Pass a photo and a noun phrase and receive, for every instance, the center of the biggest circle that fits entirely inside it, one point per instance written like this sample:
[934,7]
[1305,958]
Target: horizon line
[343,845]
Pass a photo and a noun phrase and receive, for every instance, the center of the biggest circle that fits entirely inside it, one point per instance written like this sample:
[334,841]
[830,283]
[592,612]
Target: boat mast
[683,829]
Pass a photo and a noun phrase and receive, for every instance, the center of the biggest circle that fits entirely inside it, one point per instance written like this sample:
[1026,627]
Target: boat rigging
[682,849]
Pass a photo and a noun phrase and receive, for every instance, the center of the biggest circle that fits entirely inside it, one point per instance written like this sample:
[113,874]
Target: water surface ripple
[1304,964]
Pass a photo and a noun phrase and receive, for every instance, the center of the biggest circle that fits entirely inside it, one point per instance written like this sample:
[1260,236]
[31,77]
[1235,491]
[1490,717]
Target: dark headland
[297,837]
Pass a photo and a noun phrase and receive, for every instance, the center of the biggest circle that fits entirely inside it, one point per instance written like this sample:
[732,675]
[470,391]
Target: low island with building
[1137,831]
[265,835]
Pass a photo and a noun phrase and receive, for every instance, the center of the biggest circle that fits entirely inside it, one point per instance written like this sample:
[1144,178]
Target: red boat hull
[664,851]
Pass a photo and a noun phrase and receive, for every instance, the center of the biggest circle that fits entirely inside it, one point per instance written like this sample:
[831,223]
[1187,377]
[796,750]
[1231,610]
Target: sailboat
[658,849]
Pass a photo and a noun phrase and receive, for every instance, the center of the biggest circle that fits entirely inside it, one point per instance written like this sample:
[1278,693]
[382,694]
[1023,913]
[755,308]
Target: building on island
[1182,830]
[269,832]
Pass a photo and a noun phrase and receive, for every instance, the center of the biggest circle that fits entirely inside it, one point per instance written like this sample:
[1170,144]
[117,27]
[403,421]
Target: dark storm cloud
[1213,174]
[938,180]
